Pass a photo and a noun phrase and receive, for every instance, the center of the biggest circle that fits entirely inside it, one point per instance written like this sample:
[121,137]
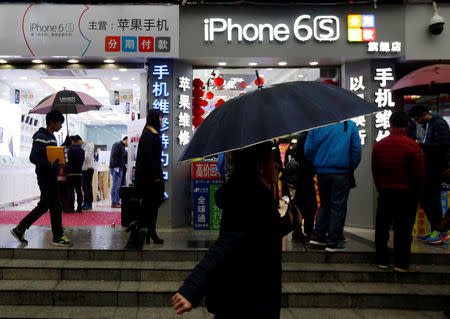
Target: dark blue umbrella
[273,111]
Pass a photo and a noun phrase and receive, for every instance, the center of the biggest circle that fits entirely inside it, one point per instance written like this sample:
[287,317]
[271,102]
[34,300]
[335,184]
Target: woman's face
[269,172]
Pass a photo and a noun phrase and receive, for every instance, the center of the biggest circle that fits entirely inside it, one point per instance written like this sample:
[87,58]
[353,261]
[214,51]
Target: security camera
[436,22]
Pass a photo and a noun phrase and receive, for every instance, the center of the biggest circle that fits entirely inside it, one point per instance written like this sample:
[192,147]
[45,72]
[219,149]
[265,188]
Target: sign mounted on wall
[89,30]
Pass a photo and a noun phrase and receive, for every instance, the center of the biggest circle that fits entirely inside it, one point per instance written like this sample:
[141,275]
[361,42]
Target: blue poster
[201,204]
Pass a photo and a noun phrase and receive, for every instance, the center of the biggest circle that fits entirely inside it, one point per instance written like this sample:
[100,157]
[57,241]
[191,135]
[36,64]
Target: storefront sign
[291,31]
[89,30]
[357,86]
[383,97]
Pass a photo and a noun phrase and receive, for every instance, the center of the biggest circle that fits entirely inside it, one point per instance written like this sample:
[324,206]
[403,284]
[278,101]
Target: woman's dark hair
[417,110]
[399,119]
[54,116]
[153,119]
[245,161]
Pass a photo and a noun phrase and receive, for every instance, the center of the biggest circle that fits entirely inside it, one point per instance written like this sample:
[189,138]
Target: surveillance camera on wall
[436,22]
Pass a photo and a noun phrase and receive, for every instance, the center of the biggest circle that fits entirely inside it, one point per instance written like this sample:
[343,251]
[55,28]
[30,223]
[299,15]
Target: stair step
[201,313]
[27,269]
[194,255]
[159,293]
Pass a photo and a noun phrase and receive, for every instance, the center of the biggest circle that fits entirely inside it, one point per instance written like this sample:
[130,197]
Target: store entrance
[118,90]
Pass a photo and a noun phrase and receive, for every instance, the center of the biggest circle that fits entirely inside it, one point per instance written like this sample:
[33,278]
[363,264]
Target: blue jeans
[116,183]
[333,191]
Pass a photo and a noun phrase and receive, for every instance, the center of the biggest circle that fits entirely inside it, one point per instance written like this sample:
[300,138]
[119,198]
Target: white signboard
[89,30]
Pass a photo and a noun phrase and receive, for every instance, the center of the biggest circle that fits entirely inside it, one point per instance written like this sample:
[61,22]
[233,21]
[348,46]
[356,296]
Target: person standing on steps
[398,173]
[117,162]
[88,173]
[46,173]
[435,146]
[149,180]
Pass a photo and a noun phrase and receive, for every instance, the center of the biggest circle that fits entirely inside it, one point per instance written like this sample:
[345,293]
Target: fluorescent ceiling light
[253,64]
[300,75]
[23,78]
[115,78]
[37,61]
[4,78]
[222,63]
[282,63]
[269,69]
[3,61]
[118,84]
[109,61]
[73,61]
[313,63]
[132,79]
[123,70]
[93,86]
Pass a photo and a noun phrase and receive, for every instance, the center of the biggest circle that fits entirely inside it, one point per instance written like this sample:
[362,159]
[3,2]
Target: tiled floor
[109,237]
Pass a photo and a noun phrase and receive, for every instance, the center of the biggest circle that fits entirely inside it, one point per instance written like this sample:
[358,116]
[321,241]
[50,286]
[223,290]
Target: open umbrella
[67,102]
[430,80]
[273,111]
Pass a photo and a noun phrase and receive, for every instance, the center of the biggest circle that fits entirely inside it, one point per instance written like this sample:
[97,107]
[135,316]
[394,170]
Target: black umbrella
[67,102]
[274,111]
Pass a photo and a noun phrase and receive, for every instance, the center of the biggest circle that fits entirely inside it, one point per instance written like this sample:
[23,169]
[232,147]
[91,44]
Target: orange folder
[54,152]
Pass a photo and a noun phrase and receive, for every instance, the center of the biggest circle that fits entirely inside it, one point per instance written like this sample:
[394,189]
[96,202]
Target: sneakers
[437,237]
[87,207]
[79,210]
[339,247]
[116,205]
[423,237]
[63,241]
[316,242]
[20,236]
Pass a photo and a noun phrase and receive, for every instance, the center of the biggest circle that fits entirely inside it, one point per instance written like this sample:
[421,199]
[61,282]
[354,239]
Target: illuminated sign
[361,27]
[305,27]
[383,98]
[357,86]
[184,118]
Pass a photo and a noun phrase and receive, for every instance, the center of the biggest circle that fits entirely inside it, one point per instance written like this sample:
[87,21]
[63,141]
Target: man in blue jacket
[117,163]
[335,152]
[435,145]
[47,180]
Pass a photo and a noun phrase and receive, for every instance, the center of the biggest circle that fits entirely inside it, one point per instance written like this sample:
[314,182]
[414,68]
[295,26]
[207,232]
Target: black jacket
[240,275]
[75,155]
[38,156]
[436,146]
[118,156]
[148,158]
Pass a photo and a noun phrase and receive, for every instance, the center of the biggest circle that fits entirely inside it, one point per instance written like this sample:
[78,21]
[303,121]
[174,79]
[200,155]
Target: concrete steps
[71,283]
[159,293]
[128,270]
[201,313]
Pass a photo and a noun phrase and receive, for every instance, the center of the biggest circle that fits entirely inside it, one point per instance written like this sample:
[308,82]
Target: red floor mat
[87,218]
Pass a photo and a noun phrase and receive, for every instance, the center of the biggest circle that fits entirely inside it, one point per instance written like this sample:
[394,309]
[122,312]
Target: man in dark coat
[75,155]
[240,275]
[117,162]
[398,172]
[435,146]
[46,173]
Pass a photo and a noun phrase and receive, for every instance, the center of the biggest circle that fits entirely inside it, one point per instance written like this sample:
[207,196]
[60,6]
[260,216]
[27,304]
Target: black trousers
[74,183]
[49,200]
[431,200]
[305,199]
[397,207]
[87,186]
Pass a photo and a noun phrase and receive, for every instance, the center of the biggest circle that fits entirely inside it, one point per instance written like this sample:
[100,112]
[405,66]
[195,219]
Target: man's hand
[181,304]
[116,169]
[55,163]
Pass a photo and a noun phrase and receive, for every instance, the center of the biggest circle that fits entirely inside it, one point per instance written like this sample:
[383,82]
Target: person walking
[398,173]
[435,146]
[117,162]
[305,193]
[335,152]
[88,173]
[46,173]
[240,275]
[75,155]
[149,180]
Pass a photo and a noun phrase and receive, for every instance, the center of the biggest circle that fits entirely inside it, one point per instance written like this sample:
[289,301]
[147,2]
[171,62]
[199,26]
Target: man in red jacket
[398,172]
